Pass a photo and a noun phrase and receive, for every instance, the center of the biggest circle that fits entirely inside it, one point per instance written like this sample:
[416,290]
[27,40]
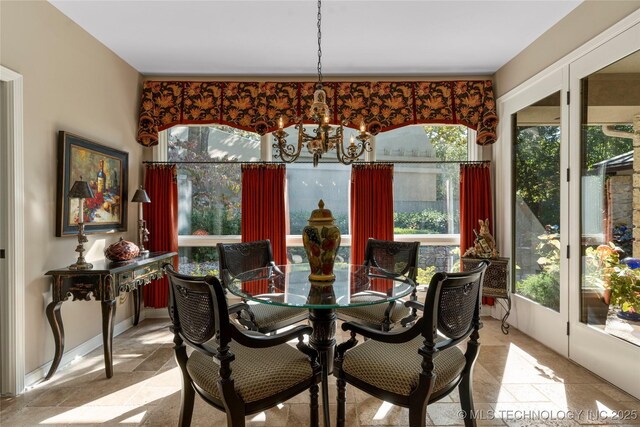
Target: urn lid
[321,214]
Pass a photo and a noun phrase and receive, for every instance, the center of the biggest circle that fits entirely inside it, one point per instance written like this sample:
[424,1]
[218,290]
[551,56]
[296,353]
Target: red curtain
[475,204]
[162,221]
[371,206]
[263,208]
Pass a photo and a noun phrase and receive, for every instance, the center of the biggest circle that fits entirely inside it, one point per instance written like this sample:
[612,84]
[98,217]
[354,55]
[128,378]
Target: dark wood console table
[103,282]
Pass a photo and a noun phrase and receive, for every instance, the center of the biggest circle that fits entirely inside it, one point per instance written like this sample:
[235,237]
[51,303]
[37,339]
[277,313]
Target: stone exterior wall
[621,200]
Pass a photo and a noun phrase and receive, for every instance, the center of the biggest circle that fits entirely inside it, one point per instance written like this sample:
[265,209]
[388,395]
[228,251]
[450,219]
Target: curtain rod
[465,162]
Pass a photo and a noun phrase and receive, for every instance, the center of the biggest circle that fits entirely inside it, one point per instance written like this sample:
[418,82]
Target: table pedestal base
[323,340]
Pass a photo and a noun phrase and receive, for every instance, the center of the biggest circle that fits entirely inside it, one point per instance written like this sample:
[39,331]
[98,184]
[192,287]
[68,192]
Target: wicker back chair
[237,258]
[237,372]
[416,366]
[397,258]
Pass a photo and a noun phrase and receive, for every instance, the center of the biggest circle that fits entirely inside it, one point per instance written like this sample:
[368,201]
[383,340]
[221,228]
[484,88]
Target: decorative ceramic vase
[321,240]
[122,250]
[321,293]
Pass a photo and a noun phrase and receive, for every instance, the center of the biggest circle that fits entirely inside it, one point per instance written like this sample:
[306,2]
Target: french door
[605,201]
[533,157]
[568,204]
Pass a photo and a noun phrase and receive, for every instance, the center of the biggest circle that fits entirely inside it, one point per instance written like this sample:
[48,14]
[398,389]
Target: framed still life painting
[105,170]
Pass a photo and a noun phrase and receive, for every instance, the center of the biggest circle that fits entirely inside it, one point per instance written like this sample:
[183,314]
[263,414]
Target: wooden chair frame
[220,331]
[428,326]
[410,271]
[225,251]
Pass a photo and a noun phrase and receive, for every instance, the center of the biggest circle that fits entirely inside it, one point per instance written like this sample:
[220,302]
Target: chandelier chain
[324,137]
[319,44]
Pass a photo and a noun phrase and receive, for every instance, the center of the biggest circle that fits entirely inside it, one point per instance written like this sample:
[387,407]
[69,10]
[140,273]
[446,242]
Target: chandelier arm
[286,155]
[353,152]
[286,151]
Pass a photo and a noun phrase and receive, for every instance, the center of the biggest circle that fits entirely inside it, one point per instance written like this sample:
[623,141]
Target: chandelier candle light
[325,137]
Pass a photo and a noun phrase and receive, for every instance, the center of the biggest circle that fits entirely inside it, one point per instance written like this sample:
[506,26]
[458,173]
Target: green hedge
[300,219]
[424,222]
[211,220]
[542,288]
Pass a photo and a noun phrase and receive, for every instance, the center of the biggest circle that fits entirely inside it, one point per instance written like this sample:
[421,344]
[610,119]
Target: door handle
[1,253]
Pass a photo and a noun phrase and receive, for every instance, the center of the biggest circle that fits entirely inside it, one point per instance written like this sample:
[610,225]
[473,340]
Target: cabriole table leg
[55,320]
[108,314]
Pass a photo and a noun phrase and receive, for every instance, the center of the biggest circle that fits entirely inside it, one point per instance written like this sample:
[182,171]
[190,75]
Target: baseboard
[33,377]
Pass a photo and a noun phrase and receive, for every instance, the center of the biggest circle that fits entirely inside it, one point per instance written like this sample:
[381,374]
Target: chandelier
[325,137]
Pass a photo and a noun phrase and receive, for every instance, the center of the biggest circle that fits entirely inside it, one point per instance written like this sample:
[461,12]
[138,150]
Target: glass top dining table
[289,285]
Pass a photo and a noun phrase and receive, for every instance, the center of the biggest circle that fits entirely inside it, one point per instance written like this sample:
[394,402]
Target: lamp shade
[141,196]
[80,190]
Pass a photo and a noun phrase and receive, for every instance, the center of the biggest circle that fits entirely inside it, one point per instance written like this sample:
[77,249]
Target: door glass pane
[610,199]
[536,167]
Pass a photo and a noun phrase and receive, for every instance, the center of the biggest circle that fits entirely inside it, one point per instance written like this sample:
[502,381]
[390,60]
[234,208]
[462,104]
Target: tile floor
[516,377]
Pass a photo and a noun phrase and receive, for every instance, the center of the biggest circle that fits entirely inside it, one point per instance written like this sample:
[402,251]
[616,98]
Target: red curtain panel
[162,221]
[475,203]
[263,207]
[371,206]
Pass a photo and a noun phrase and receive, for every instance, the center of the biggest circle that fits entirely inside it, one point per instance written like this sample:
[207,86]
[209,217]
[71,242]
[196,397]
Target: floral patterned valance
[257,106]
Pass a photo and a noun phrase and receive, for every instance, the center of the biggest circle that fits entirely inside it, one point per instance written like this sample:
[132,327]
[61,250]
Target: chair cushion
[375,313]
[267,316]
[257,372]
[396,367]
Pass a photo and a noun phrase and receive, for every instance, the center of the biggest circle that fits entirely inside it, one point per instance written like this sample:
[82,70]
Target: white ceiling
[262,38]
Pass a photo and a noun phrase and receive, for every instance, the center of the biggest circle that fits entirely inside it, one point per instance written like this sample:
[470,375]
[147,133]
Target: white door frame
[583,339]
[589,346]
[12,347]
[543,324]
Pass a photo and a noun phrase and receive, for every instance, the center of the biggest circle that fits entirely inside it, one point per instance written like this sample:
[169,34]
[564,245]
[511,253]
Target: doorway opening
[12,277]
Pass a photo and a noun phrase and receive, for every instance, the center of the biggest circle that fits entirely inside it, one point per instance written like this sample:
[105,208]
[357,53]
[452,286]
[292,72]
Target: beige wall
[581,25]
[72,83]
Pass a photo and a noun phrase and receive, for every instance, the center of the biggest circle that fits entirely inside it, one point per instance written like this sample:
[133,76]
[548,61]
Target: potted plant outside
[619,282]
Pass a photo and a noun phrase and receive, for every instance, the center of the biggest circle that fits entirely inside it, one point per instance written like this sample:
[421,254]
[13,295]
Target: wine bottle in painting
[102,178]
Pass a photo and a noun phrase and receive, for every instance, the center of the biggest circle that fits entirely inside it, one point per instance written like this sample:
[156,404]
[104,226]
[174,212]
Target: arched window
[426,189]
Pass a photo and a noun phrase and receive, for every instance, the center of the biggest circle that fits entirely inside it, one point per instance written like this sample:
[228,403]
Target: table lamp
[81,190]
[141,197]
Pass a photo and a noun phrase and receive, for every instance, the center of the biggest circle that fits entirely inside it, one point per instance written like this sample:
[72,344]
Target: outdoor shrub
[300,219]
[215,221]
[424,222]
[425,275]
[542,288]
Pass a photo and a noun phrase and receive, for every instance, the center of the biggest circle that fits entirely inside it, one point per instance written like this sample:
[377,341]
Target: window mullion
[474,151]
[160,152]
[266,147]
